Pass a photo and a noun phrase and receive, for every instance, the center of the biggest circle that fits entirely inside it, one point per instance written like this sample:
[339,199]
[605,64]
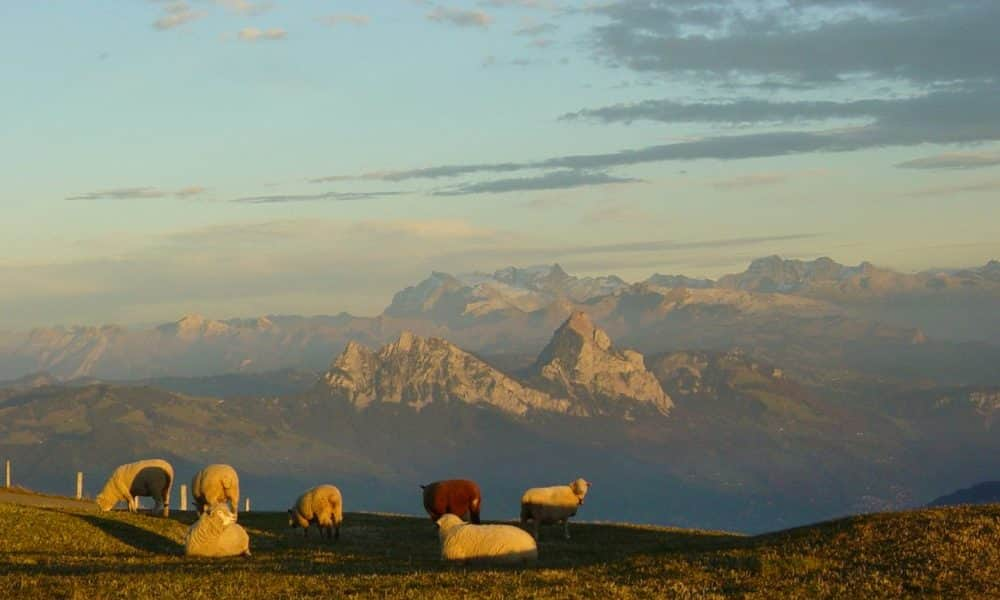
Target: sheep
[553,504]
[216,483]
[151,477]
[461,541]
[322,505]
[459,497]
[216,534]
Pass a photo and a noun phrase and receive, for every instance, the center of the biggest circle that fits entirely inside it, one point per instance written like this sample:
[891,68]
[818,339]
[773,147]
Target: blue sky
[238,158]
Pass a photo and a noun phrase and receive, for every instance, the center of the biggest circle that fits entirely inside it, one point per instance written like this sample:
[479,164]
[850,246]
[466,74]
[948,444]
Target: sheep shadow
[133,536]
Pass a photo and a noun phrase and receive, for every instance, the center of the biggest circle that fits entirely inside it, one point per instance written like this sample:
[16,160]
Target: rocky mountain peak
[581,362]
[416,371]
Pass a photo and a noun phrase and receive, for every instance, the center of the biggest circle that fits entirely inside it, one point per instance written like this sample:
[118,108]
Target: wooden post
[79,485]
[184,496]
[246,505]
[7,473]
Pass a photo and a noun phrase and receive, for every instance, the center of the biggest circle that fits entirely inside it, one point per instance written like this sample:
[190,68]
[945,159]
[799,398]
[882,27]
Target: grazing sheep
[151,478]
[459,497]
[214,484]
[216,534]
[461,541]
[321,505]
[553,504]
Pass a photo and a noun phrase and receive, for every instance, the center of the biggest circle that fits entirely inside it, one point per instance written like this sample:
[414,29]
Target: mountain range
[723,439]
[809,315]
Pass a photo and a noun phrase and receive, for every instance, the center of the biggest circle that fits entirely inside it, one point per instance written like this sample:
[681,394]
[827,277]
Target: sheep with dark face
[322,505]
[459,497]
[151,478]
[214,484]
[543,506]
[216,534]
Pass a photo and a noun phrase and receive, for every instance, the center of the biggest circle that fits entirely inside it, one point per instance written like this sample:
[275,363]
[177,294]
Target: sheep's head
[447,522]
[580,487]
[221,513]
[104,502]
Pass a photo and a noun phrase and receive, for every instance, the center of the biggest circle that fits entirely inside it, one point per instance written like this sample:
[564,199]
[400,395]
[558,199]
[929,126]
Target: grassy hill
[951,552]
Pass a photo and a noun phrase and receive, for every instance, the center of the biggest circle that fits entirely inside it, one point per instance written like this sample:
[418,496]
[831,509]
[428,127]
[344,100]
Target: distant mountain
[811,316]
[416,372]
[581,363]
[987,492]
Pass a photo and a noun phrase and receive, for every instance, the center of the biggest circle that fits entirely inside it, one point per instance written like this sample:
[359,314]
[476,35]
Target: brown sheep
[459,497]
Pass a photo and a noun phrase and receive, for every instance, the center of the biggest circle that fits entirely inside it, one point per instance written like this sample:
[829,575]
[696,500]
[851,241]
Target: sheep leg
[535,522]
[336,532]
[133,503]
[566,528]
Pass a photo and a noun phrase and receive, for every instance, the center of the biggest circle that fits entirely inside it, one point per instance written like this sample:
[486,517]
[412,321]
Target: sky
[239,158]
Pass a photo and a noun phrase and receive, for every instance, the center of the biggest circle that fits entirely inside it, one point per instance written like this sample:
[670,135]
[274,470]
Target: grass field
[953,552]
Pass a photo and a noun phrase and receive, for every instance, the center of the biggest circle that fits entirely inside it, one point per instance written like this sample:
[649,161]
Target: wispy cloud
[556,180]
[252,34]
[460,17]
[951,190]
[139,193]
[345,19]
[954,160]
[326,196]
[244,7]
[176,13]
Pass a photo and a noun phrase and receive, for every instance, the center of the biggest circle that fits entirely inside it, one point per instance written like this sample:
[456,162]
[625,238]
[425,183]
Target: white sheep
[151,478]
[322,505]
[214,484]
[216,534]
[461,541]
[553,504]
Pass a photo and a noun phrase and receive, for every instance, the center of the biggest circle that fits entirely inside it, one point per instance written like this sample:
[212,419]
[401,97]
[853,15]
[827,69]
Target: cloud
[252,34]
[951,190]
[175,14]
[244,7]
[555,180]
[331,196]
[460,17]
[804,41]
[954,160]
[139,193]
[965,115]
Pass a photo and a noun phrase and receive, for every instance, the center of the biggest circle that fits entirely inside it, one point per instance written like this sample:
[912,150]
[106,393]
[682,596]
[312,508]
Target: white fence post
[7,473]
[79,485]
[246,505]
[184,496]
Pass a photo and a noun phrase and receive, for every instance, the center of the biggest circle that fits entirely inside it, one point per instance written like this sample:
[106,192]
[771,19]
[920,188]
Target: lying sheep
[216,534]
[214,484]
[553,504]
[321,505]
[461,541]
[456,496]
[151,478]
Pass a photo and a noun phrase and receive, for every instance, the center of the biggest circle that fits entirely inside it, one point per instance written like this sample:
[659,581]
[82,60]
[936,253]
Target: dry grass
[63,554]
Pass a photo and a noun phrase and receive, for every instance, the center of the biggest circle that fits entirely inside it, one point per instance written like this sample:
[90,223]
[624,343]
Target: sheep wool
[216,534]
[543,506]
[214,484]
[322,505]
[151,478]
[464,542]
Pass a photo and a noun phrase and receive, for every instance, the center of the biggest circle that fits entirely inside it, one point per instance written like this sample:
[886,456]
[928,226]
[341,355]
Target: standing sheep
[214,484]
[459,497]
[553,504]
[461,541]
[151,478]
[322,505]
[216,534]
